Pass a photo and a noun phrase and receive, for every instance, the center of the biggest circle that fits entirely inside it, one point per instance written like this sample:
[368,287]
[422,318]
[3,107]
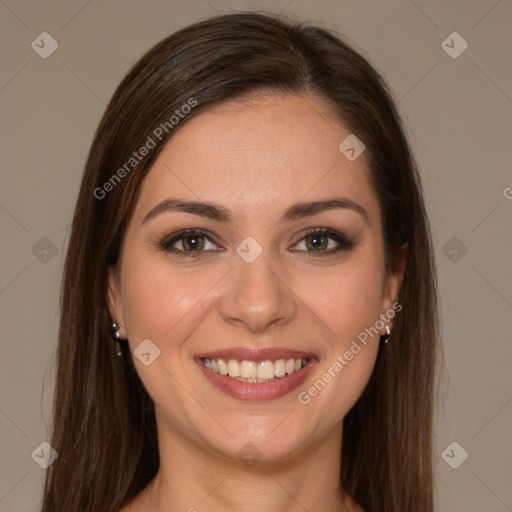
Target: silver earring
[114,331]
[384,339]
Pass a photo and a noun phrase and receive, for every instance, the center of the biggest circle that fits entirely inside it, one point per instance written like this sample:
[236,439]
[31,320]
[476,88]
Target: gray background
[458,112]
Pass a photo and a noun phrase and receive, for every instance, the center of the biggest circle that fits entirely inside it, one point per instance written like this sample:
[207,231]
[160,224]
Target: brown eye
[189,242]
[323,241]
[316,242]
[192,242]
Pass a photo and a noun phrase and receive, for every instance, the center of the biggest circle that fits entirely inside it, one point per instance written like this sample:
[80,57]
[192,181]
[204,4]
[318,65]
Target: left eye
[323,241]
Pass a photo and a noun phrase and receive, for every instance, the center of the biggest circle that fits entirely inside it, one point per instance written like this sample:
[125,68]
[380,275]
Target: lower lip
[258,391]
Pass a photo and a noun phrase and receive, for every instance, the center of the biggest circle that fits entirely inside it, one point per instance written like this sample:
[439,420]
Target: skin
[256,159]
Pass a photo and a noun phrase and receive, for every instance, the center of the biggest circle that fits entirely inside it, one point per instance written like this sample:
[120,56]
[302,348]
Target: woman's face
[249,284]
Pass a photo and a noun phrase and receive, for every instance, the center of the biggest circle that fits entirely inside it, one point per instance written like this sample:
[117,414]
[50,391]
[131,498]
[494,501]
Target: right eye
[188,243]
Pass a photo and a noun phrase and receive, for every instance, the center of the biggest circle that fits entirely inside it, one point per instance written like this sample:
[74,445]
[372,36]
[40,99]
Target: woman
[249,317]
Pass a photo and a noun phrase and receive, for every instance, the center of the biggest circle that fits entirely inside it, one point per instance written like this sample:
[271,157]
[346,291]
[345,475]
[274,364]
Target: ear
[114,300]
[393,282]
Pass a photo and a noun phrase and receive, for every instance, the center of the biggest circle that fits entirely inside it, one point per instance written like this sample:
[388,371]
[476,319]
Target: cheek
[348,303]
[163,305]
[156,298]
[346,300]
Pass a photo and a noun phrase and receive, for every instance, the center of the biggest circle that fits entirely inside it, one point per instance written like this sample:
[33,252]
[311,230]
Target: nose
[257,296]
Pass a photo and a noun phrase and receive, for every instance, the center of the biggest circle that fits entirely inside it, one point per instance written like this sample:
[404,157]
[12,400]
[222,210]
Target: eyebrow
[219,213]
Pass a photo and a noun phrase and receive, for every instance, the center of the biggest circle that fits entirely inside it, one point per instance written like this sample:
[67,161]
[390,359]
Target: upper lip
[256,354]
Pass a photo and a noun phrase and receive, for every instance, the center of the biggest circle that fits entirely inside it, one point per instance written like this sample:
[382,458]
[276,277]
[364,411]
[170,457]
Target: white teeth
[252,371]
[233,368]
[280,368]
[241,379]
[223,366]
[265,370]
[248,369]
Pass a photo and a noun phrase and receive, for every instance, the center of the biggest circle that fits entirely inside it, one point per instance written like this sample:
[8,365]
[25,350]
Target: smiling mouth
[255,371]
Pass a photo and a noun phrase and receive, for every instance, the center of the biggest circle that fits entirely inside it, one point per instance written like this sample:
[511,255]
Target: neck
[193,478]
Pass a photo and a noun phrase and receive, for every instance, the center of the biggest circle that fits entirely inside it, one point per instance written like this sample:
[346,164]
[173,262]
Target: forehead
[265,153]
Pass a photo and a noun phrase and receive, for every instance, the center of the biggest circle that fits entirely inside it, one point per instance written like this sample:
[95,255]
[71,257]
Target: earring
[114,331]
[384,339]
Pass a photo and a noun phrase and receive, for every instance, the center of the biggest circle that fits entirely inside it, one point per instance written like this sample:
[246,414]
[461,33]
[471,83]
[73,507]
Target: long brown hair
[104,424]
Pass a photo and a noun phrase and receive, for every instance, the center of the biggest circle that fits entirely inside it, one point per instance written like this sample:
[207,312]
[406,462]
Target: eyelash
[343,242]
